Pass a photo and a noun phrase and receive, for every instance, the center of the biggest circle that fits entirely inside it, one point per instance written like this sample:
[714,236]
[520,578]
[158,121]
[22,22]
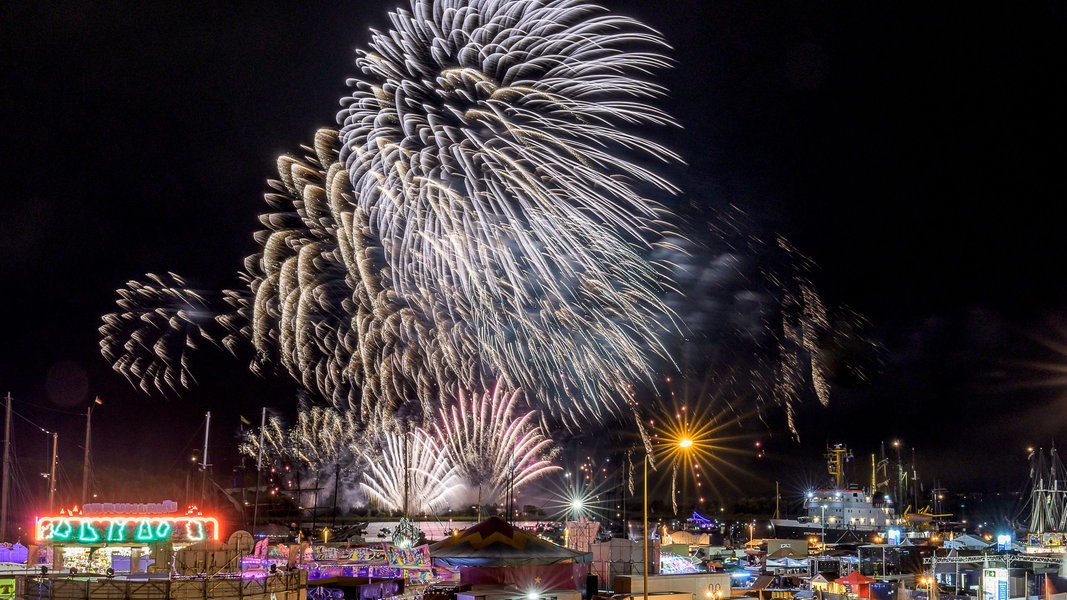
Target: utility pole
[7,470]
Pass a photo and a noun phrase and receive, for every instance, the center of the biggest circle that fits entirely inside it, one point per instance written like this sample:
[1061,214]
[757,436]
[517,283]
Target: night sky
[914,152]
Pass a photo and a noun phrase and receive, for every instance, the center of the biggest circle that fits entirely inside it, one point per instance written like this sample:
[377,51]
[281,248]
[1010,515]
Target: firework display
[482,214]
[317,308]
[320,437]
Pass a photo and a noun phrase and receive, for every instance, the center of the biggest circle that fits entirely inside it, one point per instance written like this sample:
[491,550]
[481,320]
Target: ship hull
[795,530]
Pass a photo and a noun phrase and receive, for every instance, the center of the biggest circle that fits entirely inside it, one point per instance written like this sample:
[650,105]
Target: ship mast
[835,464]
[1046,494]
[874,474]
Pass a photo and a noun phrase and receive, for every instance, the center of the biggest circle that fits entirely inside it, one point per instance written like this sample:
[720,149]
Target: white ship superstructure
[840,511]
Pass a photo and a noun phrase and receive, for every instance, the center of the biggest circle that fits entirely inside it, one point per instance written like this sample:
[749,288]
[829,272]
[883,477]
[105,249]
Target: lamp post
[900,478]
[928,581]
[644,504]
[88,433]
[685,443]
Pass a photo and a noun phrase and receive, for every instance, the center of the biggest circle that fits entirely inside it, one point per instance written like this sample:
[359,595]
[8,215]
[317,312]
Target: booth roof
[855,578]
[495,542]
[786,552]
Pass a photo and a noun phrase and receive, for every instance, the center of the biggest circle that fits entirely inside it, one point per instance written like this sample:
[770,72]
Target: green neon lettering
[144,531]
[88,534]
[163,530]
[116,531]
[62,530]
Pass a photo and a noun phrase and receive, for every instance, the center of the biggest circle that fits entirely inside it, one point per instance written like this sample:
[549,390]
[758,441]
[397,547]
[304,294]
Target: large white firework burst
[492,444]
[490,150]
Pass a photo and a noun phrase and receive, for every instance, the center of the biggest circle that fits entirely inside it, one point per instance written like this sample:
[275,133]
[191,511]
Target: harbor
[158,551]
[521,565]
[850,542]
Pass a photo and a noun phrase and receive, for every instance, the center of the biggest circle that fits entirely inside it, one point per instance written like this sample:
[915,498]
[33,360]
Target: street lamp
[88,432]
[900,477]
[685,443]
[644,532]
[928,581]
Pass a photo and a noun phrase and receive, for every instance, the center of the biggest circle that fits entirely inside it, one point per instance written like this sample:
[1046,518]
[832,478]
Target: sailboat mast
[7,470]
[259,468]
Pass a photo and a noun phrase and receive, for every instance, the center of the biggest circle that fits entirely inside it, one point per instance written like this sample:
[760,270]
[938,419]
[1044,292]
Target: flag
[245,421]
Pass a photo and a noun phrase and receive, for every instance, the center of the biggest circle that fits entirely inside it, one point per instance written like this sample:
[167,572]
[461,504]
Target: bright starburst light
[585,492]
[698,447]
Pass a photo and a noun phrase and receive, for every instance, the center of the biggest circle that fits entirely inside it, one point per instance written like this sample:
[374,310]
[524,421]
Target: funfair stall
[109,538]
[496,553]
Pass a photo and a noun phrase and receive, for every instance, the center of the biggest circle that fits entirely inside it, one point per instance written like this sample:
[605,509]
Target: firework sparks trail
[803,320]
[159,323]
[320,437]
[492,446]
[405,472]
[319,444]
[317,308]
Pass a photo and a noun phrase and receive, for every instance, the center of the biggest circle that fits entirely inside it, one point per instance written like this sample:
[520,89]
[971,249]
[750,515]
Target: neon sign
[134,529]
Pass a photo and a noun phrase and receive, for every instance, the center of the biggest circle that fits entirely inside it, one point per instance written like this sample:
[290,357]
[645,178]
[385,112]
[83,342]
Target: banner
[358,554]
[409,558]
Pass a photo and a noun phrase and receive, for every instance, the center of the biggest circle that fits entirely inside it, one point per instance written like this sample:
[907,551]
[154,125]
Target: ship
[841,512]
[1047,503]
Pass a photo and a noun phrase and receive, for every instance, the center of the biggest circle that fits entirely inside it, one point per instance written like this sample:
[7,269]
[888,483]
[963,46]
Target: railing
[291,585]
